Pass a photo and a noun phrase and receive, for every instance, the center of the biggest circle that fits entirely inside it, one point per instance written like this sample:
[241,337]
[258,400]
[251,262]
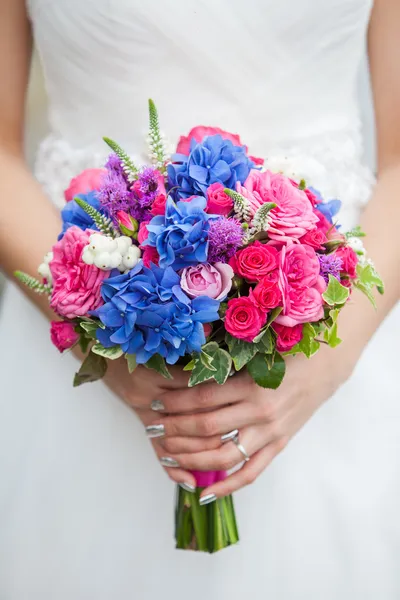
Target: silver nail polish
[207,499]
[155,431]
[188,487]
[166,461]
[157,405]
[228,437]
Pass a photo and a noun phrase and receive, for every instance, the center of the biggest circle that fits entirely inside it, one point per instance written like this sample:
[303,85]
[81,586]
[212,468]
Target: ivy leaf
[335,293]
[190,365]
[84,343]
[221,362]
[207,360]
[366,290]
[111,353]
[90,328]
[157,363]
[93,368]
[272,316]
[308,345]
[368,276]
[266,343]
[331,336]
[240,351]
[131,361]
[263,375]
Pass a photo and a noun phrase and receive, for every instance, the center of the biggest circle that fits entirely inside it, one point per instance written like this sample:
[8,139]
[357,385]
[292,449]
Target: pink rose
[314,238]
[143,233]
[349,261]
[243,319]
[87,181]
[301,286]
[199,133]
[267,294]
[150,255]
[207,329]
[294,214]
[213,281]
[255,261]
[63,335]
[76,285]
[127,224]
[218,203]
[159,204]
[288,337]
[299,266]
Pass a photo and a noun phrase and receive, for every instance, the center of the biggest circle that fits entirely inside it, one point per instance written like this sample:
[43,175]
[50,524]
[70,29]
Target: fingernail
[188,487]
[157,405]
[166,461]
[228,437]
[155,431]
[207,499]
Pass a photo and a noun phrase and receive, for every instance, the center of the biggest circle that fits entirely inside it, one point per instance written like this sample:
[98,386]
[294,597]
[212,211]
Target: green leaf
[84,343]
[93,368]
[272,316]
[335,293]
[355,232]
[157,363]
[90,328]
[207,360]
[110,353]
[131,361]
[368,276]
[263,375]
[308,345]
[221,361]
[240,351]
[366,290]
[302,184]
[190,365]
[266,343]
[331,336]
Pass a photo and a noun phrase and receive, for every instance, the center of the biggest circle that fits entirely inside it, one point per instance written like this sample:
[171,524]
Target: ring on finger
[240,447]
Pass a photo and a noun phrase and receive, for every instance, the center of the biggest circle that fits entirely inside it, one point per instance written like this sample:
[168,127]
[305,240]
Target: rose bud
[127,224]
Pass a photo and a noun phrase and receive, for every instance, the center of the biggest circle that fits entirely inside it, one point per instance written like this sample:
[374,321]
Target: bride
[85,510]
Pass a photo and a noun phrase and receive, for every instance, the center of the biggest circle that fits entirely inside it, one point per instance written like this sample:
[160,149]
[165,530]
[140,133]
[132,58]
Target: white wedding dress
[86,512]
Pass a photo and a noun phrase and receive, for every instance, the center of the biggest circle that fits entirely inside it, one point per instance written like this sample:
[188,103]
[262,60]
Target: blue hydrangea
[181,236]
[147,313]
[328,209]
[72,214]
[214,160]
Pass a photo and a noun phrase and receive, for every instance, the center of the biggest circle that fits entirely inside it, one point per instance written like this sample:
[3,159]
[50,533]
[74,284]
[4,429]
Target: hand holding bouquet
[204,260]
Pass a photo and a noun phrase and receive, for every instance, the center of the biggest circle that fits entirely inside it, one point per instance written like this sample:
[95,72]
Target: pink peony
[76,285]
[243,319]
[150,255]
[87,181]
[218,202]
[213,281]
[294,214]
[349,261]
[255,261]
[287,337]
[301,286]
[63,335]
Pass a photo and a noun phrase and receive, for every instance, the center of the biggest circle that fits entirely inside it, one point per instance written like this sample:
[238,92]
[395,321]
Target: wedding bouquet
[203,259]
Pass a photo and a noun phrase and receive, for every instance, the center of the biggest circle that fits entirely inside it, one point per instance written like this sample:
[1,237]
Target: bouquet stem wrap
[206,528]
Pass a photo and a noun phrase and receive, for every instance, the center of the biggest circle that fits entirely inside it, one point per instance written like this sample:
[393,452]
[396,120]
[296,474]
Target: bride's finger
[227,455]
[204,396]
[208,424]
[248,473]
[184,445]
[180,476]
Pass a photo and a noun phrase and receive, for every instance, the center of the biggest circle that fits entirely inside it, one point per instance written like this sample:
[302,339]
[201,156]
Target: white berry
[131,258]
[115,259]
[102,261]
[88,255]
[123,243]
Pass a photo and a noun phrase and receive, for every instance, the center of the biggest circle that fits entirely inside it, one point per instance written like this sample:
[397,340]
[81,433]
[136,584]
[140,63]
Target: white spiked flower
[44,268]
[356,244]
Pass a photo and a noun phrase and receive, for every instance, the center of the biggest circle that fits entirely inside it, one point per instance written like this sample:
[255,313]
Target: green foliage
[272,316]
[111,353]
[155,139]
[131,362]
[90,327]
[128,166]
[302,184]
[367,279]
[221,363]
[240,204]
[267,374]
[157,363]
[308,345]
[242,352]
[93,368]
[207,360]
[103,223]
[335,293]
[33,283]
[355,232]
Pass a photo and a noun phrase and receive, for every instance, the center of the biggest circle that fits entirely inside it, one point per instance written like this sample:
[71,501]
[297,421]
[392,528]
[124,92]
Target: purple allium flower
[225,236]
[114,194]
[330,264]
[114,164]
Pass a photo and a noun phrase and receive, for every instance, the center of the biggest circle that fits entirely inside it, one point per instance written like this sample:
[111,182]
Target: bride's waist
[330,162]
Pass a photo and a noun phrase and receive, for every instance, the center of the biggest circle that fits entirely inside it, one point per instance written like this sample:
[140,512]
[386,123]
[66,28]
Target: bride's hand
[266,419]
[139,390]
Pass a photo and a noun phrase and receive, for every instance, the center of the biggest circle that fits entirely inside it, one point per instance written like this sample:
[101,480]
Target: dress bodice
[282,74]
